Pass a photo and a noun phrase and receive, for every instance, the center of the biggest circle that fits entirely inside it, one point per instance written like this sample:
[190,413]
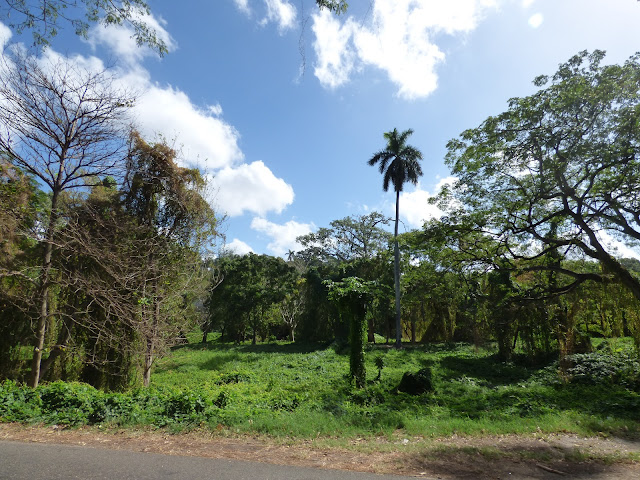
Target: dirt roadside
[495,457]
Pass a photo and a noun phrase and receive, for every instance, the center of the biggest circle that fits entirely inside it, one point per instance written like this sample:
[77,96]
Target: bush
[621,368]
[18,404]
[67,403]
[184,405]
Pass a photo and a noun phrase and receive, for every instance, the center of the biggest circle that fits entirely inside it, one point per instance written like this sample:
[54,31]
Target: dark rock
[416,383]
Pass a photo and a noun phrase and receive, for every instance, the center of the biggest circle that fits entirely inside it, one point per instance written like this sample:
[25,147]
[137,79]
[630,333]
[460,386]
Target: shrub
[621,368]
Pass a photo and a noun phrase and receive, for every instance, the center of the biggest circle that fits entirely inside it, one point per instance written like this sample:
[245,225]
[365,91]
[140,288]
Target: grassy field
[303,391]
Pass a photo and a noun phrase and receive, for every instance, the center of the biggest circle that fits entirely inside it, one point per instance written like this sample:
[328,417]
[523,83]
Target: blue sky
[282,105]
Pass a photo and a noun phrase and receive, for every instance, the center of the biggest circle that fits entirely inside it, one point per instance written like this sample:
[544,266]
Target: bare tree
[63,124]
[290,309]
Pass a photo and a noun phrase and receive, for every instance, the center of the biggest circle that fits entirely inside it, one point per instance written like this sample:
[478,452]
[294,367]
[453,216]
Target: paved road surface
[39,461]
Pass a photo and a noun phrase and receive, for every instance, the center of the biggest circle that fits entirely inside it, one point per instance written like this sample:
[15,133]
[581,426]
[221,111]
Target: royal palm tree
[398,163]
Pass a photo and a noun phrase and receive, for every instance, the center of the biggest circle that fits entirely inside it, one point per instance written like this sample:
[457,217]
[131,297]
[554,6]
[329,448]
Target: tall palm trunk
[396,273]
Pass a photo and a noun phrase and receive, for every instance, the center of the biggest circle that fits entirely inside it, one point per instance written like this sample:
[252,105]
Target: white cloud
[415,208]
[205,139]
[50,58]
[119,38]
[5,35]
[527,3]
[536,20]
[209,142]
[335,55]
[250,188]
[238,247]
[283,236]
[243,6]
[215,110]
[280,12]
[399,40]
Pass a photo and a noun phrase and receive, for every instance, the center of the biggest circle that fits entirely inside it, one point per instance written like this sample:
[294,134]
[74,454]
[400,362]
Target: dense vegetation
[301,390]
[512,302]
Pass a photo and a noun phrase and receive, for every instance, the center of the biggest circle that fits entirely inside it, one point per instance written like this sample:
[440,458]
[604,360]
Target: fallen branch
[549,469]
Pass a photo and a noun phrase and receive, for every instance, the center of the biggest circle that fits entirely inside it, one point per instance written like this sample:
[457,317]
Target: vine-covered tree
[398,163]
[176,226]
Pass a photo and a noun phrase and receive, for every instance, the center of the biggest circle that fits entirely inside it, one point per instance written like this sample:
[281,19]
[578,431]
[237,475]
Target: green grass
[295,390]
[302,390]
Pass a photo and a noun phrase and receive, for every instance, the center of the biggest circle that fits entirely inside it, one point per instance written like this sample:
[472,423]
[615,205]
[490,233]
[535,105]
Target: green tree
[398,163]
[356,245]
[21,201]
[559,170]
[355,237]
[252,284]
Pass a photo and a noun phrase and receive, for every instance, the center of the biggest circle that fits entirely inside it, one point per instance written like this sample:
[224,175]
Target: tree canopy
[559,171]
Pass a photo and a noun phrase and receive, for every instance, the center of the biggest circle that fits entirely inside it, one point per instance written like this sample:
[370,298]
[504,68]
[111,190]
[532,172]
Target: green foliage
[242,304]
[351,295]
[605,367]
[297,390]
[334,6]
[553,172]
[45,18]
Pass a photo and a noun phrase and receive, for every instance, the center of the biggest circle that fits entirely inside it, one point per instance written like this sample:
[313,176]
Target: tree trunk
[148,362]
[43,295]
[413,327]
[396,273]
[371,337]
[151,338]
[63,339]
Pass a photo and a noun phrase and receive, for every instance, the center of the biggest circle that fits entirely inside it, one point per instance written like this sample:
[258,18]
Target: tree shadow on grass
[487,369]
[218,346]
[282,348]
[230,353]
[217,362]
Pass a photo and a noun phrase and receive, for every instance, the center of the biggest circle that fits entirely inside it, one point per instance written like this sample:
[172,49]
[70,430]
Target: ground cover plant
[294,390]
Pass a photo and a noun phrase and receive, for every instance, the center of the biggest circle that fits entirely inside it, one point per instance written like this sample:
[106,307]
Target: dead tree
[65,125]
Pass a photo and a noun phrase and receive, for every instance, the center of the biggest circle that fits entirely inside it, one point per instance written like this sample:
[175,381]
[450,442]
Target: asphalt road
[39,461]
